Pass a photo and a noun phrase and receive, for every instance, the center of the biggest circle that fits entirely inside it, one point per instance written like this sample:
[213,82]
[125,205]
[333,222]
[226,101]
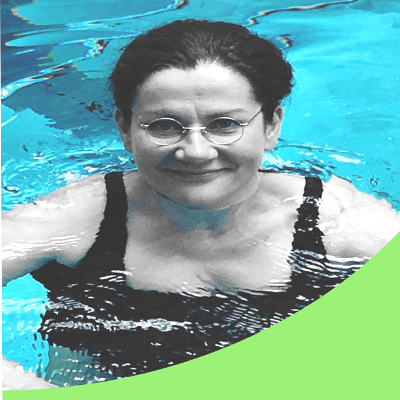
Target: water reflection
[92,333]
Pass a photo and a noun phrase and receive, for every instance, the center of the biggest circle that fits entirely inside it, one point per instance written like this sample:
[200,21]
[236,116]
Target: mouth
[195,174]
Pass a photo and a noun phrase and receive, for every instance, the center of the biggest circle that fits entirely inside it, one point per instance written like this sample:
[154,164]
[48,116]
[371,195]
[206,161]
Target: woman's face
[195,171]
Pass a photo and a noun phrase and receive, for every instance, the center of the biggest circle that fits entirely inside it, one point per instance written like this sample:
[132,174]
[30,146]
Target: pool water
[57,123]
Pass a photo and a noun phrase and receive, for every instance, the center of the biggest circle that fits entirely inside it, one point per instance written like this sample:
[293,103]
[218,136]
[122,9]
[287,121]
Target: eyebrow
[165,113]
[227,112]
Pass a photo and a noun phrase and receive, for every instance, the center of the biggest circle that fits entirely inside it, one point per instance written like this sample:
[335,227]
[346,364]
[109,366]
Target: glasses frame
[202,129]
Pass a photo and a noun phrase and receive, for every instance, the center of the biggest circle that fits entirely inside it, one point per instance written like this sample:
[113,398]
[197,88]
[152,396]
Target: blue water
[57,121]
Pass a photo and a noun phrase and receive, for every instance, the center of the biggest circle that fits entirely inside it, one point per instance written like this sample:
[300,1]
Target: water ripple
[95,45]
[109,22]
[253,20]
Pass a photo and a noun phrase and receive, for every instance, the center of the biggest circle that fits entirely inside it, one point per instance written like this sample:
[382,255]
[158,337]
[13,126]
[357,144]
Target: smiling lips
[195,173]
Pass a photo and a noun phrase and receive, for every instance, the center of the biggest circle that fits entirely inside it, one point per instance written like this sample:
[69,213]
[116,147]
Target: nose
[195,148]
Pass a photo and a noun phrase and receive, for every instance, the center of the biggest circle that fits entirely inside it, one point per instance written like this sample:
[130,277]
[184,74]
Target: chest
[252,257]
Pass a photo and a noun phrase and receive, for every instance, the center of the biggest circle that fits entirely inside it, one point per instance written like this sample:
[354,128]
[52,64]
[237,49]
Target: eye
[166,126]
[223,125]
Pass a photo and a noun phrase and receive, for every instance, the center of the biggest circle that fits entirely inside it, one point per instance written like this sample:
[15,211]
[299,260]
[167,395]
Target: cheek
[251,155]
[145,161]
[148,161]
[143,152]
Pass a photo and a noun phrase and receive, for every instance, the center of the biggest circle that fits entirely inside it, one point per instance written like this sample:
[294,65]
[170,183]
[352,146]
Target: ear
[124,130]
[273,129]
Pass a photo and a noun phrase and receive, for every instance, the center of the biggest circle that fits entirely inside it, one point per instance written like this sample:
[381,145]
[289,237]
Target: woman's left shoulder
[355,223]
[340,195]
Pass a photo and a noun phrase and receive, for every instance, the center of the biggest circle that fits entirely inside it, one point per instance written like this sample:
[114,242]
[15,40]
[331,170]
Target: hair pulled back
[187,44]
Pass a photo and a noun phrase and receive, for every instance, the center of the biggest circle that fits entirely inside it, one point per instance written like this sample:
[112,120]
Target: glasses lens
[165,131]
[224,131]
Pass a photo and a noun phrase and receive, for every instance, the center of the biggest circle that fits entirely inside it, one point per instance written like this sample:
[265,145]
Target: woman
[198,249]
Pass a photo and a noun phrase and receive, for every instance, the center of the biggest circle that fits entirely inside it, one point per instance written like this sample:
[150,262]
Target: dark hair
[186,44]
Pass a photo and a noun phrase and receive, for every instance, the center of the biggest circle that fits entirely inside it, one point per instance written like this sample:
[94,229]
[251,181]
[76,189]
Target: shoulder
[355,223]
[70,201]
[284,185]
[338,194]
[75,193]
[61,225]
[340,197]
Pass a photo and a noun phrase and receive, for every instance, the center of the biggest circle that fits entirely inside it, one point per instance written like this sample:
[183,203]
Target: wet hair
[190,43]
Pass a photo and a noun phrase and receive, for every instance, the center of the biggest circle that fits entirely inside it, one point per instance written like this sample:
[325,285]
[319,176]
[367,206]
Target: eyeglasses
[168,131]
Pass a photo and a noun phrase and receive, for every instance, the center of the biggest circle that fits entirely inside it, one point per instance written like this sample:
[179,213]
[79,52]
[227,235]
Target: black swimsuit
[129,331]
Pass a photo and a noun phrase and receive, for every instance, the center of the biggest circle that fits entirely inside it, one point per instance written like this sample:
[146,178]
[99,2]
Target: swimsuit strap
[112,235]
[307,235]
[108,250]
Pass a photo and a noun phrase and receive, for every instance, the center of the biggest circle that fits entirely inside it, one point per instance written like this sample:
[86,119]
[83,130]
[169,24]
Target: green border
[345,345]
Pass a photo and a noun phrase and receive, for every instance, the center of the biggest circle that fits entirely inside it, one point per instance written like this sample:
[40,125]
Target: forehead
[206,88]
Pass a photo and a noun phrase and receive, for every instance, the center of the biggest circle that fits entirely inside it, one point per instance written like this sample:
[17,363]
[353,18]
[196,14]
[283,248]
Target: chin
[199,201]
[206,193]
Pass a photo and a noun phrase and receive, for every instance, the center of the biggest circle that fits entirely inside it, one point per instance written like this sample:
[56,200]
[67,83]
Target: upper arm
[355,224]
[61,226]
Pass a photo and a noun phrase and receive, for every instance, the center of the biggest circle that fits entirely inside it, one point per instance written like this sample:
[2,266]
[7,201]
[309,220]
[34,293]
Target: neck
[187,217]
